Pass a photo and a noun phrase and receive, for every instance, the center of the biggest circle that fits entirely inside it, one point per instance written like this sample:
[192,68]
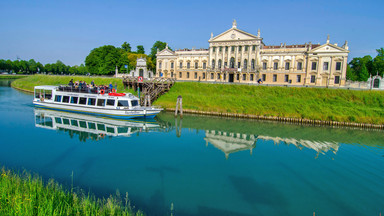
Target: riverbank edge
[270,118]
[284,119]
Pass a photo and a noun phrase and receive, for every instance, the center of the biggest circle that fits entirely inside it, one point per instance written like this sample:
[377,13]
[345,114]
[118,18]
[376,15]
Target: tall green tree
[103,60]
[126,47]
[32,66]
[364,74]
[378,62]
[140,49]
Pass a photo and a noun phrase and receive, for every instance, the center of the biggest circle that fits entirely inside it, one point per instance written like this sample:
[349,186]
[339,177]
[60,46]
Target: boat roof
[47,87]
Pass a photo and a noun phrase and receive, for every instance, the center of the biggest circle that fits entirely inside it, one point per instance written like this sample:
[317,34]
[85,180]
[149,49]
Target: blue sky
[68,30]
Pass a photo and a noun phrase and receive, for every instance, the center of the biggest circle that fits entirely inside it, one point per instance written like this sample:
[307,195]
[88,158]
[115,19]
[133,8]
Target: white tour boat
[91,101]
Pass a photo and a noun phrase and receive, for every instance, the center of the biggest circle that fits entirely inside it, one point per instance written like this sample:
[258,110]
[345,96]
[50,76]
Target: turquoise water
[203,165]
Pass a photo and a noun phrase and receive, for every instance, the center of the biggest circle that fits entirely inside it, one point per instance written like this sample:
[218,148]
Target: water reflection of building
[230,142]
[234,142]
[91,127]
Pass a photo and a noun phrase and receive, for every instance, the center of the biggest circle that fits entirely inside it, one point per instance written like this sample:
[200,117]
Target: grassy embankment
[12,76]
[28,83]
[24,194]
[303,103]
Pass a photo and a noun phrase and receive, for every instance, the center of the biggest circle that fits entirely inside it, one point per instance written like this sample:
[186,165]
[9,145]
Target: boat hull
[143,112]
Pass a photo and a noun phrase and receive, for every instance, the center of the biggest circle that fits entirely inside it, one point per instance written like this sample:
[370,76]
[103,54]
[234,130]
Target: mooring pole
[179,105]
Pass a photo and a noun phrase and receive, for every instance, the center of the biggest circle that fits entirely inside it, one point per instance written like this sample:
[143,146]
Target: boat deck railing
[90,90]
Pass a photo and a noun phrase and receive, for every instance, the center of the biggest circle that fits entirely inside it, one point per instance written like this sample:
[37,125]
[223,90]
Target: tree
[126,47]
[363,75]
[157,45]
[140,49]
[378,62]
[103,60]
[32,66]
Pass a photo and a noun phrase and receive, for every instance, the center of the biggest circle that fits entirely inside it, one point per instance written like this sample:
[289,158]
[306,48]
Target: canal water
[200,165]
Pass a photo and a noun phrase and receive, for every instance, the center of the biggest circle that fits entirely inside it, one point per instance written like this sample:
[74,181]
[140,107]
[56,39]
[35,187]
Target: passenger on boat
[71,83]
[93,83]
[110,86]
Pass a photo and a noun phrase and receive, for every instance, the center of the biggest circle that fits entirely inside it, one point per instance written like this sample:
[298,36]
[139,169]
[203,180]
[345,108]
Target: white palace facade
[240,57]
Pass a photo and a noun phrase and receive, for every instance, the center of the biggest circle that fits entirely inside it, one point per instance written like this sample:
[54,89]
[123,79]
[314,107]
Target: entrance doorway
[230,77]
[376,83]
[141,72]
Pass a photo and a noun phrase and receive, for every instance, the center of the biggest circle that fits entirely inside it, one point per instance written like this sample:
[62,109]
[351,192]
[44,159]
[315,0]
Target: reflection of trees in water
[83,136]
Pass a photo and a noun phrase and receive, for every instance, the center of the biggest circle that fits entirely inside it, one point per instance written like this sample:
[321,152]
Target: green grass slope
[308,103]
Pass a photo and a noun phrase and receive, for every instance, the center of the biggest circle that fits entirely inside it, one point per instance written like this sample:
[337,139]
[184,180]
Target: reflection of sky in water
[267,171]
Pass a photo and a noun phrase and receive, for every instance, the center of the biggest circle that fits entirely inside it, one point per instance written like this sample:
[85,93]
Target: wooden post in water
[179,105]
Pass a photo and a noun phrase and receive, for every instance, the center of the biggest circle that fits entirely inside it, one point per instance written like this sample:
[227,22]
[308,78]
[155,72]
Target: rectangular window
[286,78]
[264,65]
[74,100]
[65,99]
[181,65]
[213,49]
[134,103]
[225,77]
[220,49]
[286,65]
[188,65]
[246,48]
[187,75]
[218,76]
[274,78]
[239,48]
[180,74]
[313,79]
[212,75]
[251,78]
[233,49]
[325,66]
[122,103]
[238,64]
[100,102]
[275,65]
[160,65]
[244,77]
[203,75]
[264,77]
[91,101]
[196,65]
[101,127]
[338,66]
[238,77]
[91,125]
[110,102]
[83,101]
[298,78]
[299,65]
[57,98]
[66,121]
[74,123]
[83,124]
[204,65]
[226,49]
[254,48]
[314,65]
[195,75]
[172,65]
[172,74]
[337,79]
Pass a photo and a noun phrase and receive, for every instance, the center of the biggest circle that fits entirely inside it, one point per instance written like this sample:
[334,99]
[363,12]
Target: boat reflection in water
[92,127]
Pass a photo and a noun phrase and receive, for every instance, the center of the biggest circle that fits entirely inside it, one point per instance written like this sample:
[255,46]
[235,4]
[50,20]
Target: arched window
[219,66]
[245,63]
[253,64]
[213,63]
[232,63]
[218,76]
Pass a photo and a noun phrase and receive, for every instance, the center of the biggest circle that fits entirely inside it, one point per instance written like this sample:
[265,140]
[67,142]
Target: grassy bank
[28,83]
[24,194]
[12,76]
[307,103]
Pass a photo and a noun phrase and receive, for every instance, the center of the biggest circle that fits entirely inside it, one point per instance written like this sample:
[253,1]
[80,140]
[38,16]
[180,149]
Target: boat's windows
[74,100]
[134,103]
[57,98]
[48,94]
[121,130]
[110,102]
[74,123]
[83,124]
[110,130]
[91,125]
[66,121]
[101,127]
[122,103]
[83,101]
[58,120]
[65,99]
[100,102]
[37,93]
[91,101]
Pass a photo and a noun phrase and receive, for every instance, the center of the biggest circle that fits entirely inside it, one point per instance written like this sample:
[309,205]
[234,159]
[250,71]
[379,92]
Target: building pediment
[234,34]
[166,52]
[328,48]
